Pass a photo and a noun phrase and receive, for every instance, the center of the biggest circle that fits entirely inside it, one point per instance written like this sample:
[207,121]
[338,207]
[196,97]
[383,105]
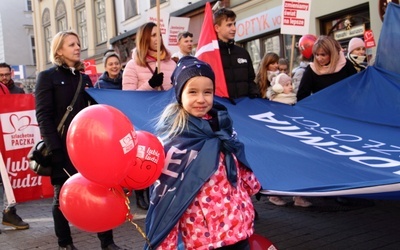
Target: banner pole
[292,55]
[6,182]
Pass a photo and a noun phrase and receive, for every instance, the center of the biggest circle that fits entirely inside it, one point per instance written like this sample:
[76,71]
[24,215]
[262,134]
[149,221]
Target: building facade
[17,41]
[104,24]
[93,20]
[258,22]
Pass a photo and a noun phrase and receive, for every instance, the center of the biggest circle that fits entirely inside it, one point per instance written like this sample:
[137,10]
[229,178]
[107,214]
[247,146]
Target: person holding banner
[203,197]
[55,88]
[328,67]
[236,61]
[142,71]
[112,79]
[3,89]
[112,76]
[5,78]
[185,44]
[10,216]
[266,71]
[356,53]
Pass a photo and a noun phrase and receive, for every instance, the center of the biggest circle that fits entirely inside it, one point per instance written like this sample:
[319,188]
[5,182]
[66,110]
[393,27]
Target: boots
[11,218]
[68,247]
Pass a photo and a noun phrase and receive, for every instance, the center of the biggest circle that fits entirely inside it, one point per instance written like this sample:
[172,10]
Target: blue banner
[343,140]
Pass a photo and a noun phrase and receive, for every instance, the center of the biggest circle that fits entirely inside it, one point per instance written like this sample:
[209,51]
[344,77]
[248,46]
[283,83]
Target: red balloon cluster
[109,154]
[101,143]
[306,44]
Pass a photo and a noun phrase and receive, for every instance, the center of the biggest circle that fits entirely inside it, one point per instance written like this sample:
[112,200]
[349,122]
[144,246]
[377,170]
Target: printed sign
[295,17]
[369,39]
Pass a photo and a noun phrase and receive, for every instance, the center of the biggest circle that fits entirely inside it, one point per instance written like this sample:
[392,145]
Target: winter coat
[136,77]
[312,82]
[54,91]
[238,70]
[105,82]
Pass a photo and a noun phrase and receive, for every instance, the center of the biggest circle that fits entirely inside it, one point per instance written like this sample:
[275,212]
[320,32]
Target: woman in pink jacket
[141,71]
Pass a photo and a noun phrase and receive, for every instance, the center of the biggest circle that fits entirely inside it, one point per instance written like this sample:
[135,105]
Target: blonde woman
[55,88]
[328,67]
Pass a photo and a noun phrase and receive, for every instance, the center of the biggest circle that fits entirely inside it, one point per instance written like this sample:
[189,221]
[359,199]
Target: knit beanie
[354,44]
[108,55]
[279,81]
[186,68]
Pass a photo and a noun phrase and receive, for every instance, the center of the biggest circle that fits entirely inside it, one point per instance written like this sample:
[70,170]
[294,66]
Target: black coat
[238,70]
[54,91]
[311,82]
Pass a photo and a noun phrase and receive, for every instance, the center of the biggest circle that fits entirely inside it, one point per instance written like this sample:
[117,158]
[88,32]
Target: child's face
[198,96]
[288,88]
[283,68]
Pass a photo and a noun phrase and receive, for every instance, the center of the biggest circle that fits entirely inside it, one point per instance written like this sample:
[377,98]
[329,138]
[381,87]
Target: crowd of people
[193,121]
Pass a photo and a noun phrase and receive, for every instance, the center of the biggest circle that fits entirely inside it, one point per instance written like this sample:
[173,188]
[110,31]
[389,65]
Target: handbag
[38,156]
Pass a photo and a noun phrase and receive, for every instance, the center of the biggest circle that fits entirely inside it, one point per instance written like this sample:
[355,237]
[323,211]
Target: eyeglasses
[184,35]
[5,75]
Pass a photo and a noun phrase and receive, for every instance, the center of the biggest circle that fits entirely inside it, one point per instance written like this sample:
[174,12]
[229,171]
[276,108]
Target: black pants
[241,245]
[61,224]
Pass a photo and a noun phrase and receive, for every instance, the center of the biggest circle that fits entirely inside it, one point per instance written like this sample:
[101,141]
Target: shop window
[61,16]
[82,29]
[101,25]
[130,8]
[253,47]
[47,32]
[153,3]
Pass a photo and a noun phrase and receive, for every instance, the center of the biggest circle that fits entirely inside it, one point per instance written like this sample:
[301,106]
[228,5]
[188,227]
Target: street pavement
[328,225]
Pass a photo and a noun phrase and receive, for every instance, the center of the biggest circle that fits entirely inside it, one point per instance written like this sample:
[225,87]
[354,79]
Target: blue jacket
[105,82]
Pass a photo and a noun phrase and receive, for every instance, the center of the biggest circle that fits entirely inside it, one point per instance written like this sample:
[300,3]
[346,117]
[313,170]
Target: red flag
[208,51]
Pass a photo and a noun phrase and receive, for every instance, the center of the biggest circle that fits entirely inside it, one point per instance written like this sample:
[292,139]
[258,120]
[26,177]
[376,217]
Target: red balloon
[258,242]
[92,207]
[149,163]
[101,143]
[306,44]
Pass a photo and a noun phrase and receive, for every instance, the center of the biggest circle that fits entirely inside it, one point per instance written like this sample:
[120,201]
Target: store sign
[260,23]
[352,32]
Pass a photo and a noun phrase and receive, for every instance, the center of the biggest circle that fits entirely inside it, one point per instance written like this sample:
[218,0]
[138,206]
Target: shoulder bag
[38,155]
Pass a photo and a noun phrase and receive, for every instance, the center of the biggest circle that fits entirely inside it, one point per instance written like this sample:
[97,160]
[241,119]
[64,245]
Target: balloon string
[130,216]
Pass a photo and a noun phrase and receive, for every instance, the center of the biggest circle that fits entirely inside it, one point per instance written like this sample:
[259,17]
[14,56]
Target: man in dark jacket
[5,78]
[238,67]
[10,216]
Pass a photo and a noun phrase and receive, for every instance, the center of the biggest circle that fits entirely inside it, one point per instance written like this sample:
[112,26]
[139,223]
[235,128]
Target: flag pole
[158,34]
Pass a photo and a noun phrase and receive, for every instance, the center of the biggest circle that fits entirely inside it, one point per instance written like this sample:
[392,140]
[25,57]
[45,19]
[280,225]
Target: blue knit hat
[186,68]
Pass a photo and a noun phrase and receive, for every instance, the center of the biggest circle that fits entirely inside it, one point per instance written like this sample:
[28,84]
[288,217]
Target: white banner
[295,17]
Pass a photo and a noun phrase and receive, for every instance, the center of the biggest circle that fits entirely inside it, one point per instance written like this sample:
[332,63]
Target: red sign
[369,39]
[19,131]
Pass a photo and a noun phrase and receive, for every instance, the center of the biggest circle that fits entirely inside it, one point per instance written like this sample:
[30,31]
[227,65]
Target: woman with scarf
[203,197]
[356,53]
[141,72]
[328,67]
